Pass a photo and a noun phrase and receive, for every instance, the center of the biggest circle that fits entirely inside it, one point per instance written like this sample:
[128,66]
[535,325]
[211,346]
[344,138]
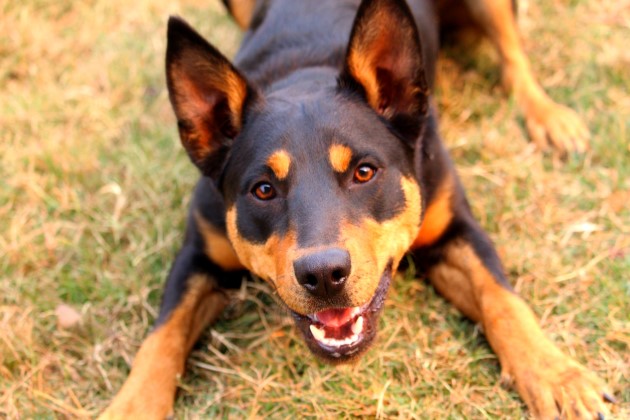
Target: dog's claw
[600,416]
[609,398]
[568,389]
[552,124]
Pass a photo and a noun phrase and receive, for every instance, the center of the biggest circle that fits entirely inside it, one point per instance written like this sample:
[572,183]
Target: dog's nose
[323,273]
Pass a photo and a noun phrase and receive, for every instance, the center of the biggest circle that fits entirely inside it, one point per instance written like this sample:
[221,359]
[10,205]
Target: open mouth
[338,334]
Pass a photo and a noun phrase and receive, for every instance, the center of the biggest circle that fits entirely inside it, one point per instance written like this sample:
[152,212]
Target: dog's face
[318,175]
[323,208]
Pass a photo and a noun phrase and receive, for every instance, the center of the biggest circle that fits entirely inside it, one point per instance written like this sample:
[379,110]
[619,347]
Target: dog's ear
[384,64]
[207,93]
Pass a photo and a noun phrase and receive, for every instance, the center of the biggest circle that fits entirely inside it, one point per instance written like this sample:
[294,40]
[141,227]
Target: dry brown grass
[93,191]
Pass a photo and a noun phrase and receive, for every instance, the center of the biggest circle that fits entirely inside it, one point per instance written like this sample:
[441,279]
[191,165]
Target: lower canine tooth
[357,327]
[317,333]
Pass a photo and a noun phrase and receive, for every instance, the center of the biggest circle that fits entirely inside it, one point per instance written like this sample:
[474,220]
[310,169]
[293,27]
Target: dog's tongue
[335,317]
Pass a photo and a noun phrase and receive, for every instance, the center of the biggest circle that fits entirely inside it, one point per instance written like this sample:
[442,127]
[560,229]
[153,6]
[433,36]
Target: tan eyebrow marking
[339,157]
[280,163]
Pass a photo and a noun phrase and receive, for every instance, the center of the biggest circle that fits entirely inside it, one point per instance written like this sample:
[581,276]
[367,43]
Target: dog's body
[322,167]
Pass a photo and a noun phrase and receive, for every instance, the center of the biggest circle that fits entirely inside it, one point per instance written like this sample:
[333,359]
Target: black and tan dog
[322,167]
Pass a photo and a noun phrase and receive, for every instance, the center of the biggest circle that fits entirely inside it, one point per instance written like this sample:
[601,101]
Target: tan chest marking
[437,216]
[217,246]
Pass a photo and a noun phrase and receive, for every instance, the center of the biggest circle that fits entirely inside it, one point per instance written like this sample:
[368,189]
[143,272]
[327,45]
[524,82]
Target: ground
[94,187]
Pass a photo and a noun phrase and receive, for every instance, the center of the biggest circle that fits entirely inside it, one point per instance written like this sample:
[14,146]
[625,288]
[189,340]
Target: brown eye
[264,191]
[364,173]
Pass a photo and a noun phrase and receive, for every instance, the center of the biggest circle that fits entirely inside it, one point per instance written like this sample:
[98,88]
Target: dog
[322,168]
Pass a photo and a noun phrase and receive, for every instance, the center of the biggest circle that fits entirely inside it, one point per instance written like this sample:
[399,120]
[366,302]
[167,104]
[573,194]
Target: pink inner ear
[385,85]
[386,61]
[192,102]
[193,109]
[207,94]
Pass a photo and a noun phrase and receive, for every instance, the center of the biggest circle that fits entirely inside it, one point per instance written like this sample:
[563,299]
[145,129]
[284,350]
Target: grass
[94,187]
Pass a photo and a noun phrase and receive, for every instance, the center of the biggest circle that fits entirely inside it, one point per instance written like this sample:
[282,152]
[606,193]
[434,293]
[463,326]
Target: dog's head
[317,172]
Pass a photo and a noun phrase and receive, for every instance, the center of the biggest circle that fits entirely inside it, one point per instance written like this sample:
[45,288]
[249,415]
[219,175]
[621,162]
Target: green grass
[94,189]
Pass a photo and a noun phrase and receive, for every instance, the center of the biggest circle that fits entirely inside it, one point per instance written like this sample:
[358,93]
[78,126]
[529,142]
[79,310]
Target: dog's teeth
[320,335]
[357,327]
[317,333]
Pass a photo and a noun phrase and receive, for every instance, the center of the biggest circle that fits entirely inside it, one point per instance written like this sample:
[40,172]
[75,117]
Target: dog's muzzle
[339,334]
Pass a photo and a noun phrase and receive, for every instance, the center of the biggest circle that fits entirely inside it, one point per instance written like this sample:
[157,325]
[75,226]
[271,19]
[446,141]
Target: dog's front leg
[191,301]
[467,271]
[548,122]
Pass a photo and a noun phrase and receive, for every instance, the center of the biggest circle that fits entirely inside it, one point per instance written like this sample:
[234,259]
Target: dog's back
[285,35]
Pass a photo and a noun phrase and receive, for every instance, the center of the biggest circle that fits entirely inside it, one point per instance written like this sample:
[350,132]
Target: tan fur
[271,261]
[261,259]
[547,121]
[242,11]
[455,286]
[437,216]
[541,373]
[364,55]
[217,246]
[149,391]
[362,69]
[371,246]
[218,77]
[191,104]
[280,163]
[371,48]
[236,92]
[339,157]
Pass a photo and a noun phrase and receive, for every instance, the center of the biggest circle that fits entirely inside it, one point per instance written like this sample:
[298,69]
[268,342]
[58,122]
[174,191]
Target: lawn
[94,188]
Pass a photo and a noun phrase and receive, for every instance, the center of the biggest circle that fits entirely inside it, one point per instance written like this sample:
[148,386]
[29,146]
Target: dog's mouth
[338,334]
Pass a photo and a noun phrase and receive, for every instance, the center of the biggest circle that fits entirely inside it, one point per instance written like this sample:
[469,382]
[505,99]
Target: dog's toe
[558,126]
[556,386]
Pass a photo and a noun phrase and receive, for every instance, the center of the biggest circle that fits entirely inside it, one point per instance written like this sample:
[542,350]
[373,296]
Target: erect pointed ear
[207,93]
[384,64]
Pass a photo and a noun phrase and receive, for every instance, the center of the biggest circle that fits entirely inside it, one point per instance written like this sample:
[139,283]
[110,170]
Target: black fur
[302,98]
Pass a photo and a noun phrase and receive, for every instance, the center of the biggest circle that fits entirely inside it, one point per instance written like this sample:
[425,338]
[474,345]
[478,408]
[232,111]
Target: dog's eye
[364,173]
[264,191]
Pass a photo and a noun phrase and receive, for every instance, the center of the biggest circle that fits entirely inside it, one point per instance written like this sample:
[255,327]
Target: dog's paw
[552,124]
[557,387]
